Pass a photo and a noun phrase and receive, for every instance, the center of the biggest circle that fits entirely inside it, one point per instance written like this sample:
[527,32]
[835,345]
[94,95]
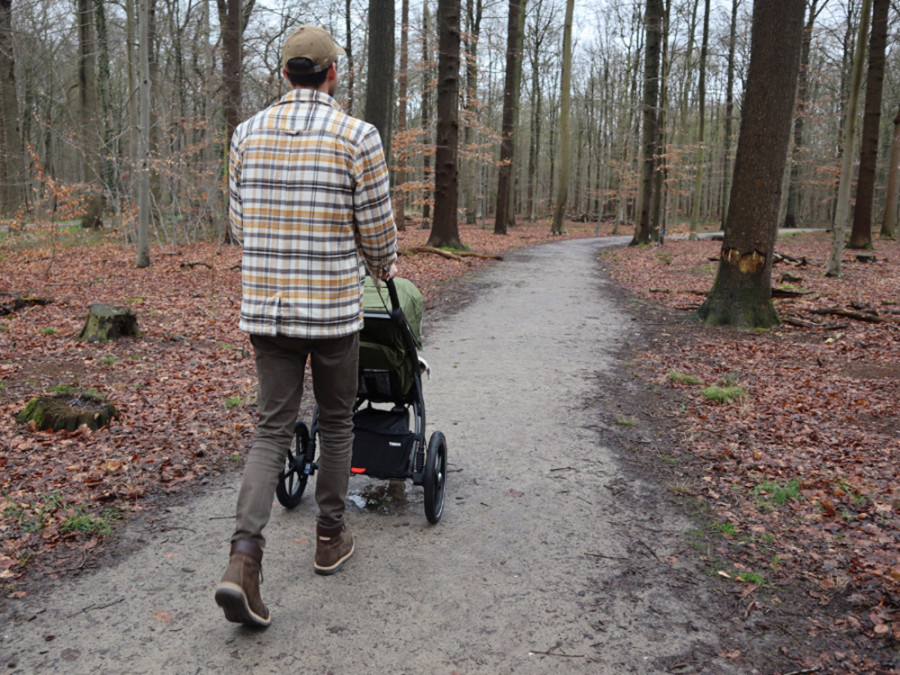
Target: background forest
[74,142]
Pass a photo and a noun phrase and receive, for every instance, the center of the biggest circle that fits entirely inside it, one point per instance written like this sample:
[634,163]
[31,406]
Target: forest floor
[791,464]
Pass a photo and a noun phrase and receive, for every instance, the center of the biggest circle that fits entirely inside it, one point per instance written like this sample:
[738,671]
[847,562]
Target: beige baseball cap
[312,43]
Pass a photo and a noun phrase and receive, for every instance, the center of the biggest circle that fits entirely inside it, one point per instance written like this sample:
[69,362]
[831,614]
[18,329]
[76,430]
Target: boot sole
[231,598]
[337,566]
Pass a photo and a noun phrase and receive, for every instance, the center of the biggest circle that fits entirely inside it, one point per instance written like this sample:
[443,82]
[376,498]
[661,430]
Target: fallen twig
[801,323]
[850,314]
[432,249]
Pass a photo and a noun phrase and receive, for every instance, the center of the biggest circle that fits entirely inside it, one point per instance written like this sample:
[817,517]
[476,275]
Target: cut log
[106,322]
[68,411]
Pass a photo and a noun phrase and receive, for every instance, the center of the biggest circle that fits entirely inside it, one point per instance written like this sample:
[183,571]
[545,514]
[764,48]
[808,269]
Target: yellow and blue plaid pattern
[309,199]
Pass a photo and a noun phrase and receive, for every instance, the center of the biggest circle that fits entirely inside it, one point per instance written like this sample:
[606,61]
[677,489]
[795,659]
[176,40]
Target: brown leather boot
[334,545]
[238,592]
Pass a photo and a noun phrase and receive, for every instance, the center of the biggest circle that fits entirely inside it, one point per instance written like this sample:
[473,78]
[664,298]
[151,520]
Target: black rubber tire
[434,477]
[292,480]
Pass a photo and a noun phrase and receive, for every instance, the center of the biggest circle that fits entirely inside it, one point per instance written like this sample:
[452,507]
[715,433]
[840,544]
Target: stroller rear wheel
[433,479]
[293,478]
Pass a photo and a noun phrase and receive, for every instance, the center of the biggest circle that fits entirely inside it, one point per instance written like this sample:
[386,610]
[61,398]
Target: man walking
[309,199]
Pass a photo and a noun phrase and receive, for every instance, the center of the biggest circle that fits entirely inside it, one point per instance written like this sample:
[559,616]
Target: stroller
[385,445]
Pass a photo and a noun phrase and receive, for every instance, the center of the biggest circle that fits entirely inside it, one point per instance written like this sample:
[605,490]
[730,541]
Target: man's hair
[308,79]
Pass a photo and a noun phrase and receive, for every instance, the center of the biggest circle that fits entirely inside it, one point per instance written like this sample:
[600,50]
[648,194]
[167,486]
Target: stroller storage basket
[382,443]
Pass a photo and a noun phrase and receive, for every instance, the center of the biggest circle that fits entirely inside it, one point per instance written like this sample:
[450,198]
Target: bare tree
[861,234]
[653,20]
[507,143]
[842,207]
[380,75]
[142,258]
[565,141]
[889,222]
[790,218]
[400,194]
[445,231]
[12,157]
[742,292]
[701,114]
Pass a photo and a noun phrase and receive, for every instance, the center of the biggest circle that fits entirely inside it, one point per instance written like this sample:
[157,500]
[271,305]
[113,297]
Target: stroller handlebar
[392,292]
[399,319]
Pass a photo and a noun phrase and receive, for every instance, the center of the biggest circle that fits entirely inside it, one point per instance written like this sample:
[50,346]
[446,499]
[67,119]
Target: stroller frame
[384,445]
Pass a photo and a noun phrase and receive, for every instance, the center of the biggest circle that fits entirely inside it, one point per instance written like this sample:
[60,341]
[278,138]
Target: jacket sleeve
[235,205]
[373,215]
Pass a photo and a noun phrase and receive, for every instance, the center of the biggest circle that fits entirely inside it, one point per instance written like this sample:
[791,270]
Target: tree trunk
[426,113]
[649,131]
[474,12]
[380,75]
[142,258]
[87,88]
[701,113]
[445,231]
[400,194]
[517,95]
[842,207]
[350,76]
[105,165]
[742,292]
[729,112]
[565,142]
[889,223]
[861,235]
[657,210]
[12,156]
[793,200]
[507,141]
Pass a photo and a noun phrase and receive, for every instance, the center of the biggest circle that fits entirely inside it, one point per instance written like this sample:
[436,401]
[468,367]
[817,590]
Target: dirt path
[549,558]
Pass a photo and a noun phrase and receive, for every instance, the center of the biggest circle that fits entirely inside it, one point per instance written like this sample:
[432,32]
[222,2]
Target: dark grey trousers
[280,364]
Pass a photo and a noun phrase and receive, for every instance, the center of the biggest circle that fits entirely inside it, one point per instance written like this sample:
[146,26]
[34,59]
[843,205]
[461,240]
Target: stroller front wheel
[434,477]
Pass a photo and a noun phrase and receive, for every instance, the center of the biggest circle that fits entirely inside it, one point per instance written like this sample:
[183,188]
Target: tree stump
[865,256]
[106,322]
[68,411]
[94,205]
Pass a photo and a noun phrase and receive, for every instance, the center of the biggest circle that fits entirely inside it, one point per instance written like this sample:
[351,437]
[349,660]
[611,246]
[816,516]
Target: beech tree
[445,230]
[565,142]
[861,234]
[12,157]
[380,75]
[742,292]
[790,218]
[848,137]
[653,19]
[507,144]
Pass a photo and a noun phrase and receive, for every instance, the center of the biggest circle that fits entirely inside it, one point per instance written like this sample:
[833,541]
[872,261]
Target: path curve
[549,557]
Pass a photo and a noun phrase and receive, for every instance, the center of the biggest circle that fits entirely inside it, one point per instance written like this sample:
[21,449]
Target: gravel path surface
[549,557]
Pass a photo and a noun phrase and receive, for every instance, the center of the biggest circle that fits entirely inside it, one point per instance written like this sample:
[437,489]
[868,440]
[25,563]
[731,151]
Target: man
[309,200]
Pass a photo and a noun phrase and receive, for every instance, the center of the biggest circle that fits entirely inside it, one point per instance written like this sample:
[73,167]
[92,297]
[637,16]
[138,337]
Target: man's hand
[389,273]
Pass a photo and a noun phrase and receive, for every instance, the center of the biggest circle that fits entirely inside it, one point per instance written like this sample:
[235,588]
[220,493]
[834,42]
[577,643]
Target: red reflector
[353,469]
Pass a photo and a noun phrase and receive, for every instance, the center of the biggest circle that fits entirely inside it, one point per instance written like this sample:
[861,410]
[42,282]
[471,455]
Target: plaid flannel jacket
[309,199]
